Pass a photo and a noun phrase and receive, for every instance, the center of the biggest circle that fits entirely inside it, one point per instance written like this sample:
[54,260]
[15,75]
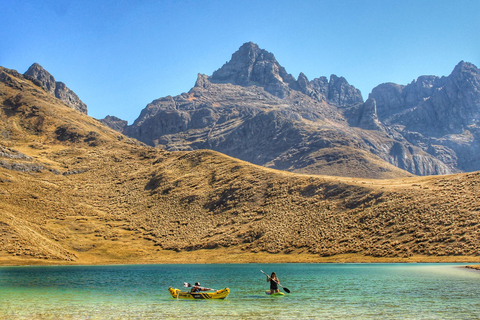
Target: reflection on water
[318,291]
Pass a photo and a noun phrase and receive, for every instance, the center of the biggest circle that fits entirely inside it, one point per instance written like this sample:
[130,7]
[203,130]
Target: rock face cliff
[441,115]
[431,105]
[56,88]
[252,109]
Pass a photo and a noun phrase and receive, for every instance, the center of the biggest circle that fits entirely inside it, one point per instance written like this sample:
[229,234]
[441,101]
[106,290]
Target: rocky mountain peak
[39,73]
[56,88]
[251,65]
[463,66]
[467,74]
[245,66]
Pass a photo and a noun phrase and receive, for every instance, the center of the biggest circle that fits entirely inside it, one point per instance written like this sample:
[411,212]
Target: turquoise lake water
[318,291]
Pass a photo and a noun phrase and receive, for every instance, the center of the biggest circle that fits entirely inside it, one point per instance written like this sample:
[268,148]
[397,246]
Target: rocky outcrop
[337,91]
[364,116]
[340,93]
[56,88]
[412,159]
[115,123]
[251,65]
[46,79]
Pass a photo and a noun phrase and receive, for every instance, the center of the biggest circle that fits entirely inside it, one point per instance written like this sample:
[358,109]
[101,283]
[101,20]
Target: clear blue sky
[120,55]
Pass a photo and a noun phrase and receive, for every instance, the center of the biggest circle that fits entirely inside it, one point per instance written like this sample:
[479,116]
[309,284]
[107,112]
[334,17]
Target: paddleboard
[278,294]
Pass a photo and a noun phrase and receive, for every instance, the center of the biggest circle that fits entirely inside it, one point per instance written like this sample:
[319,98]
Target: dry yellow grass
[88,195]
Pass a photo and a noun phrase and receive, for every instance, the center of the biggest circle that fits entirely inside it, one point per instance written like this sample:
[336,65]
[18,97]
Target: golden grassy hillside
[74,191]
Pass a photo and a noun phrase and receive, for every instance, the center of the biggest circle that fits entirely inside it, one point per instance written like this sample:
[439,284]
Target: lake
[318,291]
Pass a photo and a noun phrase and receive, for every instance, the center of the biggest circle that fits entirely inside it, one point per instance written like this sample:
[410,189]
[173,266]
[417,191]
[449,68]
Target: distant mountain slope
[74,191]
[252,109]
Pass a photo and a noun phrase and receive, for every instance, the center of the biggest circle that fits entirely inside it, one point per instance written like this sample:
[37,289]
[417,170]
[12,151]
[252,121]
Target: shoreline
[474,267]
[225,256]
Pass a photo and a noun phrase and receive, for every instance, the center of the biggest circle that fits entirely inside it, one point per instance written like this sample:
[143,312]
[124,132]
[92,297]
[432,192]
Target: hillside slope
[74,191]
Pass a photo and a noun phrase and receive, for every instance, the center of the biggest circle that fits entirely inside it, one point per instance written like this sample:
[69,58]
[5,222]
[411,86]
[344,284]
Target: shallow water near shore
[318,291]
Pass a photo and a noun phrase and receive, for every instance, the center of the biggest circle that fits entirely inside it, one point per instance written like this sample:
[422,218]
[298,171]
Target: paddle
[186,284]
[286,289]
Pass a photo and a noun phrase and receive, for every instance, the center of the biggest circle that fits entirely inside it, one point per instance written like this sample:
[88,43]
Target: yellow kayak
[276,294]
[219,294]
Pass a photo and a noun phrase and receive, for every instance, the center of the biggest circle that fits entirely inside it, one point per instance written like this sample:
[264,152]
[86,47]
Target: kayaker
[273,283]
[197,288]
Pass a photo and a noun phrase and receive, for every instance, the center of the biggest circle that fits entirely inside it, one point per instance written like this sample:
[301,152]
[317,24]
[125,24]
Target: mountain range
[253,110]
[74,191]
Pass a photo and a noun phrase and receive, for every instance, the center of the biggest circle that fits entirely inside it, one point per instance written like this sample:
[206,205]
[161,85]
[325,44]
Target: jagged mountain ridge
[251,124]
[427,127]
[251,65]
[439,114]
[252,109]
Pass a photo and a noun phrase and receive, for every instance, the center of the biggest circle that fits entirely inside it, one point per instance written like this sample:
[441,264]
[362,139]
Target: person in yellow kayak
[273,283]
[197,288]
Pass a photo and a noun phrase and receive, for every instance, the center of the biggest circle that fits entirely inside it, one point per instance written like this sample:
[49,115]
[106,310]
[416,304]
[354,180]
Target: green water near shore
[318,291]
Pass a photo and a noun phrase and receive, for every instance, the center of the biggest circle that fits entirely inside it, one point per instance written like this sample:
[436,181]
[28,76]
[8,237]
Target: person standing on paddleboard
[273,283]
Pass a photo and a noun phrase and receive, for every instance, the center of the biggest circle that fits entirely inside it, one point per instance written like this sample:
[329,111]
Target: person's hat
[197,283]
